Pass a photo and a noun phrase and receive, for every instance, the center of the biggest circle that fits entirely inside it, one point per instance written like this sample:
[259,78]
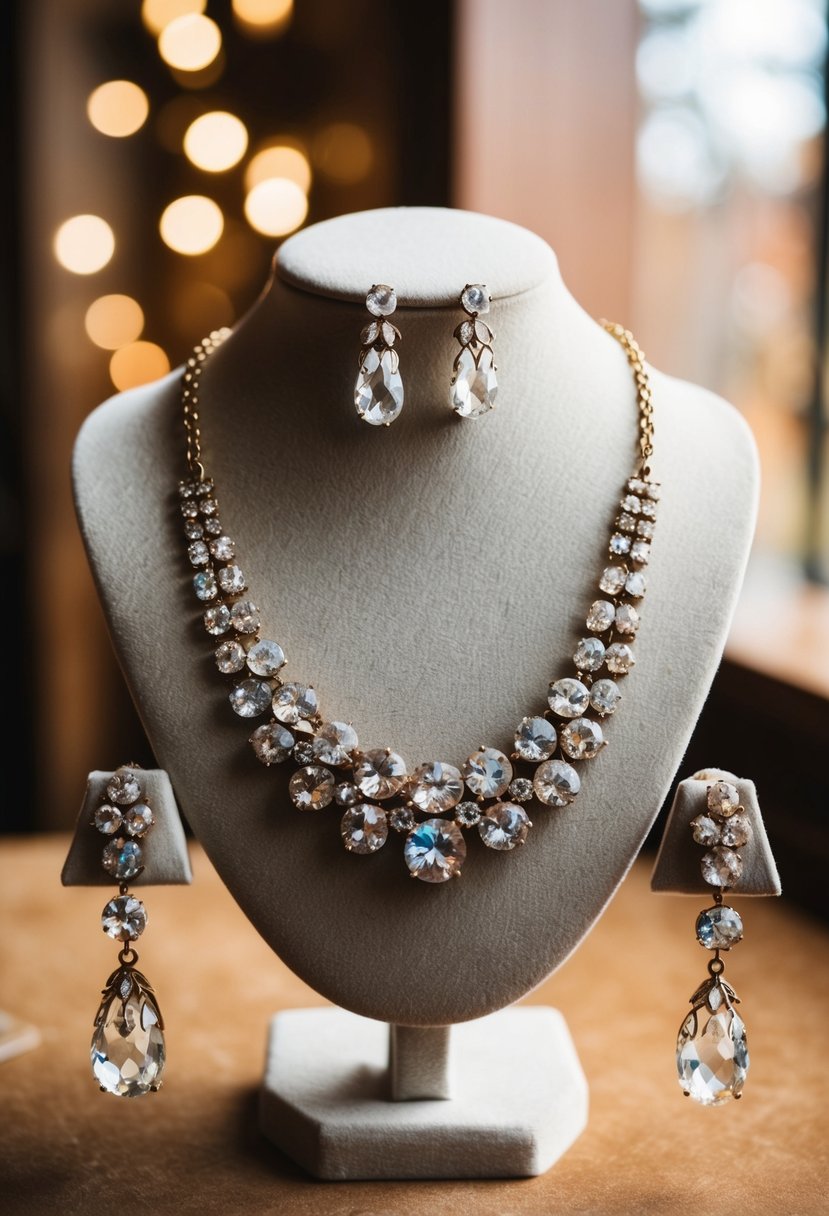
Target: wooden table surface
[195,1147]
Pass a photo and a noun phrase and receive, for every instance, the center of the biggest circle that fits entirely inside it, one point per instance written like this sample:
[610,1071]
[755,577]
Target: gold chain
[190,397]
[644,394]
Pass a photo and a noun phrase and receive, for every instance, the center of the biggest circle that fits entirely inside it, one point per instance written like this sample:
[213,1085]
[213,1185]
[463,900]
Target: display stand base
[518,1097]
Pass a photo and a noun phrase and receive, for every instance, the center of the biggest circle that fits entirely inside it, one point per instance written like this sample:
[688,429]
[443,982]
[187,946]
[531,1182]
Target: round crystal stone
[475,384]
[487,773]
[619,544]
[189,509]
[123,787]
[293,702]
[521,789]
[649,509]
[346,794]
[198,553]
[435,850]
[272,743]
[435,786]
[612,580]
[244,616]
[401,818]
[138,819]
[620,658]
[193,529]
[222,548]
[364,828]
[721,867]
[736,830]
[535,739]
[204,585]
[213,526]
[107,819]
[719,928]
[230,657]
[556,783]
[381,301]
[605,696]
[208,506]
[582,739]
[378,390]
[723,799]
[589,654]
[635,584]
[475,298]
[380,773]
[124,918]
[626,523]
[311,788]
[640,552]
[231,580]
[600,615]
[303,751]
[504,826]
[632,504]
[626,619]
[250,698]
[645,528]
[122,858]
[705,830]
[334,743]
[467,814]
[568,697]
[217,620]
[265,658]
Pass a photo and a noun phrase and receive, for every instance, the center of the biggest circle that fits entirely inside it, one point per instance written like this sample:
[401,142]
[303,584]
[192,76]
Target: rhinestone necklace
[433,805]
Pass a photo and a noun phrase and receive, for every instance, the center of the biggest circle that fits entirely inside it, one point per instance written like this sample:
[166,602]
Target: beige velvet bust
[429,579]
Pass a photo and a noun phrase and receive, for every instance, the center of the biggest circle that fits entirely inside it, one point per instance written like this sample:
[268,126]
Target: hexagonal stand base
[519,1098]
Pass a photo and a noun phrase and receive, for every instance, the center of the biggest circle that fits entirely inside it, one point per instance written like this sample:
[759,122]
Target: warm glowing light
[343,152]
[192,224]
[137,364]
[279,161]
[117,108]
[216,141]
[190,42]
[276,206]
[113,321]
[157,13]
[265,16]
[84,244]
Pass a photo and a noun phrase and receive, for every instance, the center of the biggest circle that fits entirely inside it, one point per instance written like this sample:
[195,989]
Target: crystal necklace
[374,790]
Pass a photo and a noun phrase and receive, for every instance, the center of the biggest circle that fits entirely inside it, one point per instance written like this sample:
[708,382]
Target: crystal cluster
[723,829]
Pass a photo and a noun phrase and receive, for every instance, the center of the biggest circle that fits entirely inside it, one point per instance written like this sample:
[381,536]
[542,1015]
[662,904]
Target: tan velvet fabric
[66,1148]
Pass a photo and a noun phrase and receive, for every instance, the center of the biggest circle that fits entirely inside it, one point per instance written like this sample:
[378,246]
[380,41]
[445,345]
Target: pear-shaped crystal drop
[475,385]
[378,393]
[128,1051]
[712,1054]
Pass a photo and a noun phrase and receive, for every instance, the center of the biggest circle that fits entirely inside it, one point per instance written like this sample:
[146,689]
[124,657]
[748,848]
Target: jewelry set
[434,805]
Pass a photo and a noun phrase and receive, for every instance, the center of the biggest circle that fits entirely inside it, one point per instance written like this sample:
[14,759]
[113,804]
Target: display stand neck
[419,1063]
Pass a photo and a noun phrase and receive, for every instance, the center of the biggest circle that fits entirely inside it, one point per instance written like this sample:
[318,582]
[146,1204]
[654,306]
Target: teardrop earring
[378,392]
[474,383]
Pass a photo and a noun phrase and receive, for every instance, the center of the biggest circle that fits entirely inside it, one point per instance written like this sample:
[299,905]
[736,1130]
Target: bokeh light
[137,363]
[190,43]
[216,141]
[113,321]
[276,206]
[157,13]
[342,151]
[279,160]
[263,16]
[118,108]
[84,244]
[192,224]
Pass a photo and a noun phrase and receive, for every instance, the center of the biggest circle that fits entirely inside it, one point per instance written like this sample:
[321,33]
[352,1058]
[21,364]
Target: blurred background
[673,152]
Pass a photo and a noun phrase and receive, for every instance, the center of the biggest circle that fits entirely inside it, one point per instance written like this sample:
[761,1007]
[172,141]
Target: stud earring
[128,1050]
[474,383]
[378,392]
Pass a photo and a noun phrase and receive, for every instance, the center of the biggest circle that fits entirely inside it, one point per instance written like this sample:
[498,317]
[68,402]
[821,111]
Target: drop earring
[474,383]
[378,392]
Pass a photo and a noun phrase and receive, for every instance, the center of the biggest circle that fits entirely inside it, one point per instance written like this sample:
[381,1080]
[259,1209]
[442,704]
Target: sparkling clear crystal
[185,489]
[381,301]
[124,918]
[272,743]
[303,751]
[251,698]
[213,526]
[626,523]
[107,819]
[736,830]
[198,553]
[208,506]
[721,867]
[204,487]
[612,580]
[635,584]
[605,696]
[504,826]
[244,616]
[556,783]
[535,739]
[334,743]
[346,794]
[619,544]
[380,773]
[649,509]
[123,787]
[653,490]
[364,828]
[138,819]
[128,1050]
[581,739]
[626,620]
[401,818]
[723,798]
[487,773]
[294,702]
[388,333]
[204,585]
[370,334]
[475,384]
[435,786]
[222,548]
[475,298]
[568,697]
[620,658]
[640,552]
[231,580]
[122,858]
[217,619]
[311,788]
[645,529]
[521,789]
[712,1055]
[467,814]
[636,485]
[705,830]
[230,657]
[631,504]
[378,391]
[719,928]
[590,654]
[465,332]
[435,850]
[189,509]
[193,529]
[265,658]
